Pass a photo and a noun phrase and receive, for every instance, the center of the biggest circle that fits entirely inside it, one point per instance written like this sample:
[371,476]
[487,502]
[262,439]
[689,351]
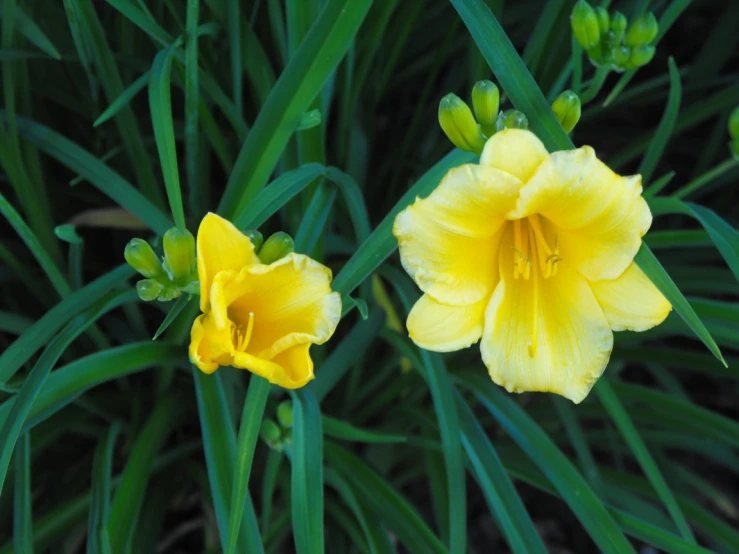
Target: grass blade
[160,104]
[197,190]
[307,474]
[319,54]
[22,515]
[251,421]
[630,434]
[723,235]
[172,314]
[102,467]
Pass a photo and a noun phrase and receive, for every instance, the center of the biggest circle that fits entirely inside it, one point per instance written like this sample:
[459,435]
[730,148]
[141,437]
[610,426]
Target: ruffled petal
[573,340]
[631,302]
[220,246]
[449,241]
[442,328]
[210,346]
[290,369]
[599,216]
[290,301]
[515,151]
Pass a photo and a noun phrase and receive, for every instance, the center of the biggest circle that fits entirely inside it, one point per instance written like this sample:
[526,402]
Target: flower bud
[141,257]
[512,119]
[459,125]
[255,237]
[270,432]
[618,25]
[149,289]
[621,55]
[604,20]
[285,413]
[585,25]
[640,55]
[734,123]
[276,247]
[169,293]
[567,109]
[485,102]
[179,254]
[734,147]
[642,31]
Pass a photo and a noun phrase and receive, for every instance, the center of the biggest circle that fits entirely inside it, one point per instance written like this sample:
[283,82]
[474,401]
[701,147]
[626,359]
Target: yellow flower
[532,253]
[259,317]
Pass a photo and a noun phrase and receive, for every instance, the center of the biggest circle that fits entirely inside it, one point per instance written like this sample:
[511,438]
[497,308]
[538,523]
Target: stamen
[241,336]
[535,321]
[517,248]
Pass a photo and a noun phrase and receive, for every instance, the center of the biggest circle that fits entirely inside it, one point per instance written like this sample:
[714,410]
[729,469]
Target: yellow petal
[599,216]
[290,299]
[291,369]
[631,302]
[220,246]
[210,346]
[573,340]
[442,328]
[448,242]
[514,151]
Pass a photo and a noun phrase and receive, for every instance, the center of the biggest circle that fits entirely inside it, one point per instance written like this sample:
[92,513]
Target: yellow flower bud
[149,289]
[585,25]
[512,119]
[485,102]
[459,125]
[285,413]
[141,257]
[642,31]
[640,55]
[276,247]
[734,123]
[179,255]
[567,109]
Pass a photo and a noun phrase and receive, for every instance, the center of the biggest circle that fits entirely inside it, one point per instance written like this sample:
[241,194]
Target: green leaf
[650,265]
[570,485]
[28,28]
[631,435]
[123,100]
[666,125]
[307,474]
[338,429]
[102,467]
[22,515]
[251,421]
[172,314]
[160,104]
[313,223]
[319,54]
[723,235]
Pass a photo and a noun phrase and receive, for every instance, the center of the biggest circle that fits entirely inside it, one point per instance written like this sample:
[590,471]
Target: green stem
[251,421]
[707,177]
[595,85]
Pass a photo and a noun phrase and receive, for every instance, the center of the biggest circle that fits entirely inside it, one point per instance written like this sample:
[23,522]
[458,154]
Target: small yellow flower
[259,317]
[532,253]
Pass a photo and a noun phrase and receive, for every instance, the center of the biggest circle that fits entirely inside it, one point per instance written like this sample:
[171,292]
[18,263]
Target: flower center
[241,334]
[533,259]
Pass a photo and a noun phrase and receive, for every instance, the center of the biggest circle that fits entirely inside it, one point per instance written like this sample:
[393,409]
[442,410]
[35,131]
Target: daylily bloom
[532,253]
[259,317]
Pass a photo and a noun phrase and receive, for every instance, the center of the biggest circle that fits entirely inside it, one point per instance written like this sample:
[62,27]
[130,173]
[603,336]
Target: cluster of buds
[470,132]
[607,41]
[734,133]
[166,279]
[278,434]
[277,246]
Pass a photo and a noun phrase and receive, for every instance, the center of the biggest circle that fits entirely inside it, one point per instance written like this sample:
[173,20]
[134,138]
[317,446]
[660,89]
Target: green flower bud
[640,55]
[512,119]
[734,123]
[567,109]
[585,25]
[621,56]
[459,125]
[610,42]
[642,31]
[276,247]
[618,25]
[255,237]
[169,293]
[179,255]
[485,102]
[270,432]
[734,147]
[141,257]
[604,20]
[149,289]
[285,413]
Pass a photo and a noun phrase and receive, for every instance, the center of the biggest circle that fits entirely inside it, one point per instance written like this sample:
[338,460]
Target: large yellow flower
[532,253]
[259,317]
